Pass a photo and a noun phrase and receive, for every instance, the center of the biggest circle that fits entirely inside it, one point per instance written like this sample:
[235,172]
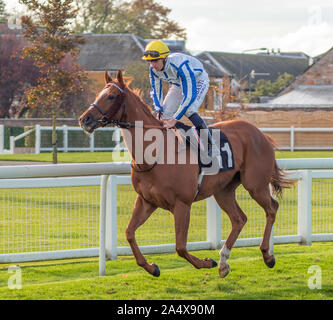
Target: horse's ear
[107,77]
[120,79]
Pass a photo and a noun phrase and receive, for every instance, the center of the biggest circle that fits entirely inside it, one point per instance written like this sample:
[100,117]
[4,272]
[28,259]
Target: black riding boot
[199,124]
[211,156]
[210,140]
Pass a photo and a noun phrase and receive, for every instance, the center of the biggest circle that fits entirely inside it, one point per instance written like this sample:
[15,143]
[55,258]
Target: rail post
[292,139]
[37,139]
[65,137]
[305,206]
[2,139]
[111,218]
[102,225]
[213,223]
[12,144]
[92,142]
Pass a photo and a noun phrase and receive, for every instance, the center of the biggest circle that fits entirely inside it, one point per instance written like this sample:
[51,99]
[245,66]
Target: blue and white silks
[189,84]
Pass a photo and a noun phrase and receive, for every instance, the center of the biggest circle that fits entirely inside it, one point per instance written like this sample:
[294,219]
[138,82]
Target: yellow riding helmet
[154,50]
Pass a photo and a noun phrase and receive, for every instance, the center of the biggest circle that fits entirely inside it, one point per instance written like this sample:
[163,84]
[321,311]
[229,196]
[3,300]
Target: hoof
[156,272]
[224,271]
[271,263]
[214,263]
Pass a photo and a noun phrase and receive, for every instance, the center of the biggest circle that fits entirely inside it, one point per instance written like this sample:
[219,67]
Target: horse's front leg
[181,214]
[141,212]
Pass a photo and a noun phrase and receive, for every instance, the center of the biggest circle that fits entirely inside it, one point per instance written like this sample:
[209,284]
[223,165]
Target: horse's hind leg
[227,201]
[264,199]
[141,212]
[181,214]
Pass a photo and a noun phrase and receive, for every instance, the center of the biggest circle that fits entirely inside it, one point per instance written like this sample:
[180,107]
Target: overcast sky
[238,25]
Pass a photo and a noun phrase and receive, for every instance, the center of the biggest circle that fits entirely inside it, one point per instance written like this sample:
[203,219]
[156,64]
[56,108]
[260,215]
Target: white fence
[80,143]
[292,130]
[115,138]
[79,210]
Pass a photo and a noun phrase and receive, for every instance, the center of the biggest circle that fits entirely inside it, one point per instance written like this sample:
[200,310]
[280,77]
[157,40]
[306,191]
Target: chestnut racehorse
[174,186]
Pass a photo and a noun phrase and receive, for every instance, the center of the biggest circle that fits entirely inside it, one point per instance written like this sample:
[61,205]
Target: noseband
[93,105]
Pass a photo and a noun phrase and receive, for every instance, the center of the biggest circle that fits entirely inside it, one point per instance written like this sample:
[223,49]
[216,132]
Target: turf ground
[79,157]
[249,277]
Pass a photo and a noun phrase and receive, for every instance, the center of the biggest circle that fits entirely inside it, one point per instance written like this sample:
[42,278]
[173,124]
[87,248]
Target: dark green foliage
[268,88]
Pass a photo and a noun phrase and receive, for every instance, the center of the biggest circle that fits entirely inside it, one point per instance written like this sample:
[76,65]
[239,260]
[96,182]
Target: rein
[126,125]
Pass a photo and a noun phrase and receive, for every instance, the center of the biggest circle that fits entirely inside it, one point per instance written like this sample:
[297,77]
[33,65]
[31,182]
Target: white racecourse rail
[74,139]
[309,225]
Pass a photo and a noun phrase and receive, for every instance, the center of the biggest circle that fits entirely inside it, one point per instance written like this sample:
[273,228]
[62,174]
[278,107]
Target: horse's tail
[279,179]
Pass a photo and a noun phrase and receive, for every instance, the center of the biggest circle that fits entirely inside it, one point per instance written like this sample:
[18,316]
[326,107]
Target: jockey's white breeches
[174,98]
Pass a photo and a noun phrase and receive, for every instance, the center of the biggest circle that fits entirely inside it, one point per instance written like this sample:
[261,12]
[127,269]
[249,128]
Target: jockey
[188,85]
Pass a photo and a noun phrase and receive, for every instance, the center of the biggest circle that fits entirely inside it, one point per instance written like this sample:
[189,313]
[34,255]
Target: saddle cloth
[221,160]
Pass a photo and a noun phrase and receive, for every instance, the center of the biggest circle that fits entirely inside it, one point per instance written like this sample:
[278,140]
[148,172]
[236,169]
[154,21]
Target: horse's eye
[111,97]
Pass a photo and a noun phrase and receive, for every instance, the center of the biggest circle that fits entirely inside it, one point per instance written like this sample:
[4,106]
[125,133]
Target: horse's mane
[136,93]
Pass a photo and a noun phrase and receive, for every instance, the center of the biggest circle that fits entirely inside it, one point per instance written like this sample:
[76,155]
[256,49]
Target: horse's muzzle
[88,123]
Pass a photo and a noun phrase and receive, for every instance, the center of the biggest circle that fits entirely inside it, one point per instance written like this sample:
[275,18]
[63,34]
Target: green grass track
[249,277]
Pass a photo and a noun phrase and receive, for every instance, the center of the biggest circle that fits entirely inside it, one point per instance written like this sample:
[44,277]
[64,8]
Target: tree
[267,88]
[93,16]
[145,18]
[3,14]
[15,73]
[72,105]
[50,43]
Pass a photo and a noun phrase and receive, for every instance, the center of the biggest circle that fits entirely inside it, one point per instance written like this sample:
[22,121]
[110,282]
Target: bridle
[107,118]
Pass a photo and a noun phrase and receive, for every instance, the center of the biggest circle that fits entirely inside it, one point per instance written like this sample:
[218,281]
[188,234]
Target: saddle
[222,156]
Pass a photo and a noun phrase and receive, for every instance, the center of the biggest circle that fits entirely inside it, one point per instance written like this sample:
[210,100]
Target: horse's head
[106,106]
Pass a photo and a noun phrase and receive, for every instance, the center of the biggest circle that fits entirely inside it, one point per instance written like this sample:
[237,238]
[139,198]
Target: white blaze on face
[104,92]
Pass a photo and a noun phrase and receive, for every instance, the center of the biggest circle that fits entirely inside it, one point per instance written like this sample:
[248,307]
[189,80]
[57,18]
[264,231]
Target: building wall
[298,119]
[96,80]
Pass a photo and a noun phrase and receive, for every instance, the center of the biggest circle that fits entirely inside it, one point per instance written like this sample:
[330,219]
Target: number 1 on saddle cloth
[217,156]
